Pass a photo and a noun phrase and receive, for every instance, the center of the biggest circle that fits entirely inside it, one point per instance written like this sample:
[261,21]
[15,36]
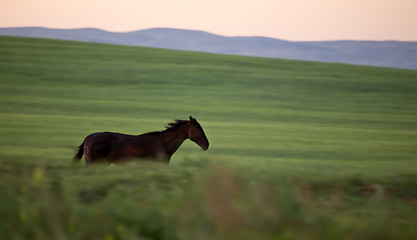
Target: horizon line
[208,32]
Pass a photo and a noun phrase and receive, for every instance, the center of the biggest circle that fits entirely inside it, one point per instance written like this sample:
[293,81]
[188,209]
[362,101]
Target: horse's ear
[192,120]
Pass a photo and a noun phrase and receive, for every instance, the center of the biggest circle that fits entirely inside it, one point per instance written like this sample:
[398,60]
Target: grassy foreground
[298,150]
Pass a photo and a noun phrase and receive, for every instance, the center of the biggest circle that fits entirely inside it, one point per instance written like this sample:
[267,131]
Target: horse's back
[116,147]
[99,137]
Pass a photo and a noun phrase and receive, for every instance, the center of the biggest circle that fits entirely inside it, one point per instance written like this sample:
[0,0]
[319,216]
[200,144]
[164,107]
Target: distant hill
[373,53]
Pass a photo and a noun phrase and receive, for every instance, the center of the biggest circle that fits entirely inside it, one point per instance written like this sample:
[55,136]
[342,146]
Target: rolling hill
[301,108]
[384,54]
[298,150]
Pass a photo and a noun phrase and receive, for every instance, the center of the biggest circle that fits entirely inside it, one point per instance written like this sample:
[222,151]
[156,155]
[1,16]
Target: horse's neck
[174,139]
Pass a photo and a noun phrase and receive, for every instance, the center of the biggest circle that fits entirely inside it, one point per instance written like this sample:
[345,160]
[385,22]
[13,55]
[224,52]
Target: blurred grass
[297,149]
[202,200]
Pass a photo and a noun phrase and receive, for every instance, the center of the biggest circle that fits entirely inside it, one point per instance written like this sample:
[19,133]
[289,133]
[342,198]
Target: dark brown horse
[108,147]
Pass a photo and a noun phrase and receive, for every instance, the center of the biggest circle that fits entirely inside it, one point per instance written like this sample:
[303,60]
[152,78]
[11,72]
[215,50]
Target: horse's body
[108,147]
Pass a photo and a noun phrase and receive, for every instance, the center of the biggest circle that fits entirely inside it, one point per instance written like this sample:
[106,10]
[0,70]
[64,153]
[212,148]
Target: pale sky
[297,20]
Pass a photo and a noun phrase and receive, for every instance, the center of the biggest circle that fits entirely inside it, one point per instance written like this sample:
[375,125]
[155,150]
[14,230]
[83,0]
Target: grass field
[298,150]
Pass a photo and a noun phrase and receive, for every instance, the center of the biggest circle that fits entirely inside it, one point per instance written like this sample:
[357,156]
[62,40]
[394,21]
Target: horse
[118,148]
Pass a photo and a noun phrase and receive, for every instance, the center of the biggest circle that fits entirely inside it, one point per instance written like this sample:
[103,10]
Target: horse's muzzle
[205,147]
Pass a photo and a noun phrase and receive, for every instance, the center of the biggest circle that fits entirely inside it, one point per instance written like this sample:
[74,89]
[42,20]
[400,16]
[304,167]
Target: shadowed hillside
[385,54]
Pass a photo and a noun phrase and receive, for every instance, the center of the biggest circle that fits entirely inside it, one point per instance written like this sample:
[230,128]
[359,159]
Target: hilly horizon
[393,54]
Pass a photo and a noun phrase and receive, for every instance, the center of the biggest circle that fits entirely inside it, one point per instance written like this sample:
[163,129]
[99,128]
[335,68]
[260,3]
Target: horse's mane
[175,125]
[169,127]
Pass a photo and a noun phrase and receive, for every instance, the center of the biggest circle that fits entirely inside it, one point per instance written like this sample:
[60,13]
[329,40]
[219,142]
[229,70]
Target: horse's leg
[90,150]
[94,156]
[87,154]
[90,159]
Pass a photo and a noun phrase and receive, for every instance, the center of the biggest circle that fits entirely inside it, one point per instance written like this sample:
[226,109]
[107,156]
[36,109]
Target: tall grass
[202,200]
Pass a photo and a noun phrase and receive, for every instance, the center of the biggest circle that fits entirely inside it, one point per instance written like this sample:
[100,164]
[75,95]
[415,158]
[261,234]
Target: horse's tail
[80,153]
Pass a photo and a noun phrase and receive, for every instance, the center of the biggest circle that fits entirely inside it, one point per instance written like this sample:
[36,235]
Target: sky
[296,20]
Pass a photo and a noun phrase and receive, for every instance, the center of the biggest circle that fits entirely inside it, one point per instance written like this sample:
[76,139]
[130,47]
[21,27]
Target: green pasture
[298,150]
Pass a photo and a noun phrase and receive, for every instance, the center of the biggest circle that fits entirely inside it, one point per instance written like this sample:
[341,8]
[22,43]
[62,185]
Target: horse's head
[196,134]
